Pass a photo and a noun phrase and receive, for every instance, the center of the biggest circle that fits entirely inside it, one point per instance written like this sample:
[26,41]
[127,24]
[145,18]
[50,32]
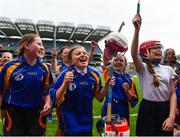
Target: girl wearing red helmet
[157,110]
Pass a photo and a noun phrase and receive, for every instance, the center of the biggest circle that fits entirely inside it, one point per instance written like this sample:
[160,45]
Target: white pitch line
[98,117]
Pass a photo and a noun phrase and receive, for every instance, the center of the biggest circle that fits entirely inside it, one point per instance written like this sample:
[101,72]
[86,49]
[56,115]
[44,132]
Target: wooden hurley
[109,114]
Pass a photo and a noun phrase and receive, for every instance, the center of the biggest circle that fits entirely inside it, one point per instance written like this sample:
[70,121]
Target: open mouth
[39,52]
[118,66]
[158,55]
[83,61]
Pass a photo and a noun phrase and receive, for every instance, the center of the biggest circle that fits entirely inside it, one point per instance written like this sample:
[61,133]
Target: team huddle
[31,88]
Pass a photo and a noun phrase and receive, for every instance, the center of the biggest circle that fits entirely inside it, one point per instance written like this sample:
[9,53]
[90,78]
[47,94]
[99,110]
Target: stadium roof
[47,29]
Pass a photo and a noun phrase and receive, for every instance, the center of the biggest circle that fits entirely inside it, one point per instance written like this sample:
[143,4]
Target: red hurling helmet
[147,45]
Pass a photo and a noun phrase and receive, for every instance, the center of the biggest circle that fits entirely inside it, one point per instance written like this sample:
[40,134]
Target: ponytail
[155,81]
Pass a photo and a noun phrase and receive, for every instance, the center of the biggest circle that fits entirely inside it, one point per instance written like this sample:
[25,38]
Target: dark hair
[61,51]
[166,52]
[26,39]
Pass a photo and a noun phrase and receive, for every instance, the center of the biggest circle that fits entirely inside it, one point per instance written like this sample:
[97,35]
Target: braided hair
[151,70]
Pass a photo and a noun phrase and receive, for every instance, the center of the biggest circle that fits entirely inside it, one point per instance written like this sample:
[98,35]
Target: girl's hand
[137,21]
[54,52]
[168,124]
[177,112]
[93,44]
[112,81]
[69,76]
[125,86]
[46,109]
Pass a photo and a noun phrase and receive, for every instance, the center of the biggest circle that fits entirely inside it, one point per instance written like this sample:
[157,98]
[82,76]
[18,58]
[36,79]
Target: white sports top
[150,92]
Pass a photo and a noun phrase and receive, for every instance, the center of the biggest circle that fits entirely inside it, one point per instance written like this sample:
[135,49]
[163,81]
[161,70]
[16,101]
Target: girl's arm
[99,94]
[93,46]
[54,53]
[168,124]
[135,42]
[47,106]
[62,89]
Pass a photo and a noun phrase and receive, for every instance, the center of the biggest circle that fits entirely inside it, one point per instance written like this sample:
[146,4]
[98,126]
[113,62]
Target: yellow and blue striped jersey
[76,109]
[120,101]
[25,85]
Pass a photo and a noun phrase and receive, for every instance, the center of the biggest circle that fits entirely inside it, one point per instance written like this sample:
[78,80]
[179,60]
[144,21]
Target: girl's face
[6,57]
[171,56]
[155,53]
[80,58]
[119,64]
[64,55]
[42,52]
[36,48]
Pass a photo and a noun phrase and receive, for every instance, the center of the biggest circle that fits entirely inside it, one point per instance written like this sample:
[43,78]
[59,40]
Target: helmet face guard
[146,46]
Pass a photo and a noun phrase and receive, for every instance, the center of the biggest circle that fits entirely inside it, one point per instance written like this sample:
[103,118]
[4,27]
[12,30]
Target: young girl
[157,110]
[24,85]
[74,91]
[170,60]
[123,88]
[58,67]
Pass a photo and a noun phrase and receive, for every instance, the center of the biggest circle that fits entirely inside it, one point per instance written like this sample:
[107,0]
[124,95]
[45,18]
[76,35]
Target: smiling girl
[123,88]
[24,85]
[157,110]
[74,92]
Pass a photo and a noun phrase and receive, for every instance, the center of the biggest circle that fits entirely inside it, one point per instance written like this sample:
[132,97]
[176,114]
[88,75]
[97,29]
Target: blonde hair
[26,39]
[9,53]
[76,46]
[119,54]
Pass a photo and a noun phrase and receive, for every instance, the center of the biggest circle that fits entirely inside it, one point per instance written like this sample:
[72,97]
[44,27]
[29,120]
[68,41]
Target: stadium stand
[63,34]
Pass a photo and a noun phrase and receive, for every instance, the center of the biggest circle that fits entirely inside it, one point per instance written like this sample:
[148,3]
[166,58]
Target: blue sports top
[118,91]
[120,102]
[76,109]
[25,85]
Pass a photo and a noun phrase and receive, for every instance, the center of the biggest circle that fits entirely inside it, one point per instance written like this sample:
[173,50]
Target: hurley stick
[109,96]
[138,7]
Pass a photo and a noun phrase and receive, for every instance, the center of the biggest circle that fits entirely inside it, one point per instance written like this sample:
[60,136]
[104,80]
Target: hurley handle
[109,96]
[138,7]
